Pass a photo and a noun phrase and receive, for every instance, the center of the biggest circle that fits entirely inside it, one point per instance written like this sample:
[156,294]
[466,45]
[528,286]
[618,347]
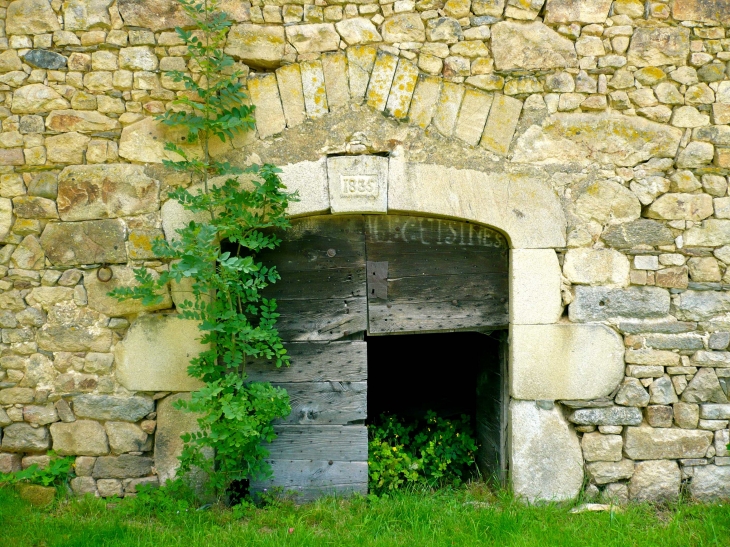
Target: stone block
[84,485]
[30,17]
[313,38]
[360,62]
[309,179]
[126,437]
[501,124]
[712,233]
[583,138]
[155,15]
[315,92]
[109,488]
[9,463]
[138,58]
[156,353]
[672,278]
[546,462]
[569,11]
[259,46]
[21,437]
[36,98]
[381,80]
[659,415]
[637,232]
[34,207]
[661,391]
[447,110]
[686,415]
[16,395]
[610,415]
[657,46]
[531,46]
[122,276]
[84,14]
[264,94]
[696,154]
[125,466]
[601,303]
[704,388]
[519,204]
[334,66]
[80,120]
[401,91]
[565,361]
[534,287]
[403,27]
[707,11]
[607,472]
[80,438]
[36,495]
[632,393]
[473,116]
[647,443]
[700,306]
[88,192]
[40,414]
[710,483]
[655,481]
[84,466]
[358,31]
[110,407]
[171,424]
[596,267]
[425,100]
[715,411]
[89,242]
[599,447]
[358,184]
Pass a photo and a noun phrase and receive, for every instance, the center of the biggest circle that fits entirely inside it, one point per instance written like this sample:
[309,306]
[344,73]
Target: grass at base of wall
[466,517]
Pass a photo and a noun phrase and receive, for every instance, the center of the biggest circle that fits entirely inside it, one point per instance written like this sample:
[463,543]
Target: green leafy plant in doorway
[243,207]
[429,452]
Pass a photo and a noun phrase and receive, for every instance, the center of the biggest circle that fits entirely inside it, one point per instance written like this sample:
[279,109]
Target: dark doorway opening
[451,373]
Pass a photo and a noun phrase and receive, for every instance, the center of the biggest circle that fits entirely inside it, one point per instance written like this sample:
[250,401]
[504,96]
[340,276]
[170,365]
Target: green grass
[409,519]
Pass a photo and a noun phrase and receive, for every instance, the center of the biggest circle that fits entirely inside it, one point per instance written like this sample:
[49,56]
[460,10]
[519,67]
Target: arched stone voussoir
[525,208]
[521,205]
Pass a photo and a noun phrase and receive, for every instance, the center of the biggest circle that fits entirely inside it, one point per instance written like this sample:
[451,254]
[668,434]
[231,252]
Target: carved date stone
[358,184]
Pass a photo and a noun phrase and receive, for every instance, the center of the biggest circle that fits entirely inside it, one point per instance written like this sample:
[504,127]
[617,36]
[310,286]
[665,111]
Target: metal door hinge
[377,273]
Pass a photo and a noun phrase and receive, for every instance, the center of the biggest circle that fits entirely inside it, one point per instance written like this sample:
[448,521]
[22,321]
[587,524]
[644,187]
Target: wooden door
[439,275]
[343,276]
[321,446]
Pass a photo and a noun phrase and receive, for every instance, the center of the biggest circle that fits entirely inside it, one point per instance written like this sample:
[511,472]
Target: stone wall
[619,110]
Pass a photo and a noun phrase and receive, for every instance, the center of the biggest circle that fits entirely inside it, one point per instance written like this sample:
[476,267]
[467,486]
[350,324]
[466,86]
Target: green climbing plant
[242,207]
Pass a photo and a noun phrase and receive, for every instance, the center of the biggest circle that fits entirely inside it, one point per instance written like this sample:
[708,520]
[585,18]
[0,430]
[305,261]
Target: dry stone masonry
[595,134]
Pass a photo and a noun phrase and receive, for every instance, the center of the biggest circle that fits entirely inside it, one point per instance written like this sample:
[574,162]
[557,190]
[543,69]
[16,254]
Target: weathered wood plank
[314,473]
[316,362]
[417,246]
[336,283]
[427,316]
[320,243]
[320,442]
[447,288]
[310,320]
[336,403]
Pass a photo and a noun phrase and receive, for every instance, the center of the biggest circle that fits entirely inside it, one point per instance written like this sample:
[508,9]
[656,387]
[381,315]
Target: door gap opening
[450,373]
